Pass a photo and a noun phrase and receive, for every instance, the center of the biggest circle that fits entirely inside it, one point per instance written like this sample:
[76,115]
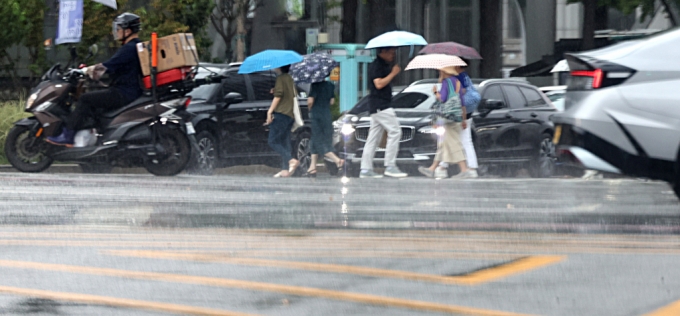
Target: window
[533,97]
[408,100]
[235,83]
[493,93]
[515,98]
[263,83]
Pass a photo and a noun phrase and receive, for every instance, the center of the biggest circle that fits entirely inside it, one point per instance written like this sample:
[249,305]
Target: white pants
[466,139]
[382,121]
[468,147]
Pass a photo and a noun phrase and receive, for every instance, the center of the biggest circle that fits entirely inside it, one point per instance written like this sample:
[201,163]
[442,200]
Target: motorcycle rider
[125,73]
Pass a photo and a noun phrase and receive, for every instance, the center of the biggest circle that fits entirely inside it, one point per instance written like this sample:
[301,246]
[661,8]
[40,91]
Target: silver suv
[623,109]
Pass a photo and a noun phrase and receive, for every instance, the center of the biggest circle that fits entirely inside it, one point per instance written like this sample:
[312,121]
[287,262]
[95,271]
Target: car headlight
[347,129]
[439,130]
[31,100]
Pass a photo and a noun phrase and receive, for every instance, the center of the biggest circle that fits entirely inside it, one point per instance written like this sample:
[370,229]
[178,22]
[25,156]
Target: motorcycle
[154,133]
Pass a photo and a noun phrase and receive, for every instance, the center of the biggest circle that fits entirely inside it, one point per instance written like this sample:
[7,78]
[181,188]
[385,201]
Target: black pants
[94,103]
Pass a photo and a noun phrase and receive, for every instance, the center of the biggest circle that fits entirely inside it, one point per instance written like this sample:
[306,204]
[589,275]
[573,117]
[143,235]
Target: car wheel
[206,155]
[302,151]
[543,166]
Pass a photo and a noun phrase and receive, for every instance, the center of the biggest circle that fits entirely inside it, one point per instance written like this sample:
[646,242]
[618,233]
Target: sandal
[293,166]
[310,174]
[281,174]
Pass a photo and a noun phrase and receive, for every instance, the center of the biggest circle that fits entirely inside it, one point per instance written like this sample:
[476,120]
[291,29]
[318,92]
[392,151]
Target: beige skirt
[450,149]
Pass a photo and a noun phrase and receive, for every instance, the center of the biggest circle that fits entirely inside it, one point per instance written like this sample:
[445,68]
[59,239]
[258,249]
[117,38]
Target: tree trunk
[589,8]
[602,18]
[349,21]
[491,38]
[241,34]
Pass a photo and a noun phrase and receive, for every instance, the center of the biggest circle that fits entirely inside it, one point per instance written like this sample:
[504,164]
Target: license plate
[190,129]
[558,134]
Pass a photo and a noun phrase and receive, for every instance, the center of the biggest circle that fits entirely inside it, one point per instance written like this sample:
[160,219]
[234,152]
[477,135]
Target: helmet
[127,21]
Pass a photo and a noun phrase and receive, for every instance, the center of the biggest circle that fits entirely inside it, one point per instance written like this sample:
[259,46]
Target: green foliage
[22,24]
[335,108]
[10,112]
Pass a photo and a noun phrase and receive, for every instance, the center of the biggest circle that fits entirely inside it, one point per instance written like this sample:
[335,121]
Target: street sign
[70,28]
[335,74]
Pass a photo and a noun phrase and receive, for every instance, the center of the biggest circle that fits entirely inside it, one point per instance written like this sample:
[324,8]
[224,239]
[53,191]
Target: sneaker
[426,171]
[466,175]
[369,174]
[394,172]
[64,139]
[441,173]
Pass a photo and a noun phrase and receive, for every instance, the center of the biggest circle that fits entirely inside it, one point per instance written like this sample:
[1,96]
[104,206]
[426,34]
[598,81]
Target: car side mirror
[489,105]
[492,104]
[233,98]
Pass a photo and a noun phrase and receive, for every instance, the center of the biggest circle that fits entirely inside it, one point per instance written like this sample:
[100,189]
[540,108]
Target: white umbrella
[395,39]
[561,66]
[108,3]
[435,61]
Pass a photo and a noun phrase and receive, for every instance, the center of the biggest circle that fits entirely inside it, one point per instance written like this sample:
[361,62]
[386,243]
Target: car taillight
[589,74]
[593,77]
[187,102]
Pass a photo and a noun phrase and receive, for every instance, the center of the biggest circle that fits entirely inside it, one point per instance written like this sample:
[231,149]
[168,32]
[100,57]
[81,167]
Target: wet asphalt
[233,244]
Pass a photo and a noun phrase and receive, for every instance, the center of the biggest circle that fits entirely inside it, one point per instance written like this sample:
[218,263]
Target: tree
[229,19]
[22,26]
[590,8]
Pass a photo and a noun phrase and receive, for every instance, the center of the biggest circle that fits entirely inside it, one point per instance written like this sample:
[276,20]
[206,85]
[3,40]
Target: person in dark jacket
[321,96]
[125,72]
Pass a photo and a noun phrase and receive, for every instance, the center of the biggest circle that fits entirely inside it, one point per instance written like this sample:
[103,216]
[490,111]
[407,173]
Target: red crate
[168,77]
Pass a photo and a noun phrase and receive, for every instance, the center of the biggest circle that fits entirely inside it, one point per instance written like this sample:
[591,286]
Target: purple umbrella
[451,48]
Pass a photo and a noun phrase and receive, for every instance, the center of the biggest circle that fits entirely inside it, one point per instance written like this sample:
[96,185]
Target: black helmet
[127,21]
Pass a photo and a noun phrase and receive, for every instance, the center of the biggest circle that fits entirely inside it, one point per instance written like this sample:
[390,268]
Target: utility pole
[50,28]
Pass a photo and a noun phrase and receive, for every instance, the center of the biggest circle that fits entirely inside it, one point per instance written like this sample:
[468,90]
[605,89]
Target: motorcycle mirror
[94,49]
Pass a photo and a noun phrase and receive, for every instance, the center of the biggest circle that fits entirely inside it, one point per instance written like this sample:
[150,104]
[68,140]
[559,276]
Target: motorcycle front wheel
[25,151]
[176,156]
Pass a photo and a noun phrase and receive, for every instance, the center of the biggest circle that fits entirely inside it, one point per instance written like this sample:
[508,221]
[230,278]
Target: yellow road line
[478,277]
[671,310]
[118,302]
[504,270]
[259,286]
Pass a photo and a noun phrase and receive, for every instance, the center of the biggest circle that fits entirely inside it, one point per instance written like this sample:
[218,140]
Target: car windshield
[408,100]
[203,92]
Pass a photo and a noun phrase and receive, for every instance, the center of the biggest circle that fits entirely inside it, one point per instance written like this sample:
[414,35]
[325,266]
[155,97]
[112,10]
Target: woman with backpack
[450,149]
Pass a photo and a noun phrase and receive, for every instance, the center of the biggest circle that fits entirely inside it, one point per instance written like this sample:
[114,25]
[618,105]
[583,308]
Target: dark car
[229,122]
[511,127]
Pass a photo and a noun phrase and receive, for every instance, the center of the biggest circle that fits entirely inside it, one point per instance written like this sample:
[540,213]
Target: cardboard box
[174,51]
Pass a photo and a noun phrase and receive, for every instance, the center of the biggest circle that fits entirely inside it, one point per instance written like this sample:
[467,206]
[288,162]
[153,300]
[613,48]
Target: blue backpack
[471,98]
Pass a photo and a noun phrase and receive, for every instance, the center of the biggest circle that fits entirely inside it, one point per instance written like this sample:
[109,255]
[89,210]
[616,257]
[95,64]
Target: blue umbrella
[314,68]
[269,60]
[395,39]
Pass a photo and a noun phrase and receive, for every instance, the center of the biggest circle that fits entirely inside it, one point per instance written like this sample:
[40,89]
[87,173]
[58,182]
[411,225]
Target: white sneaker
[394,172]
[466,175]
[441,173]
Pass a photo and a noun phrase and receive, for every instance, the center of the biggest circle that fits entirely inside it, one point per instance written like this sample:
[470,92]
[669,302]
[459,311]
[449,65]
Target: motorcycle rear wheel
[178,153]
[24,152]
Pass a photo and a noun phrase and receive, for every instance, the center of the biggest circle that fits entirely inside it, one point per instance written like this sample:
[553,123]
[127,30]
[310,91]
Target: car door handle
[533,114]
[252,110]
[508,115]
